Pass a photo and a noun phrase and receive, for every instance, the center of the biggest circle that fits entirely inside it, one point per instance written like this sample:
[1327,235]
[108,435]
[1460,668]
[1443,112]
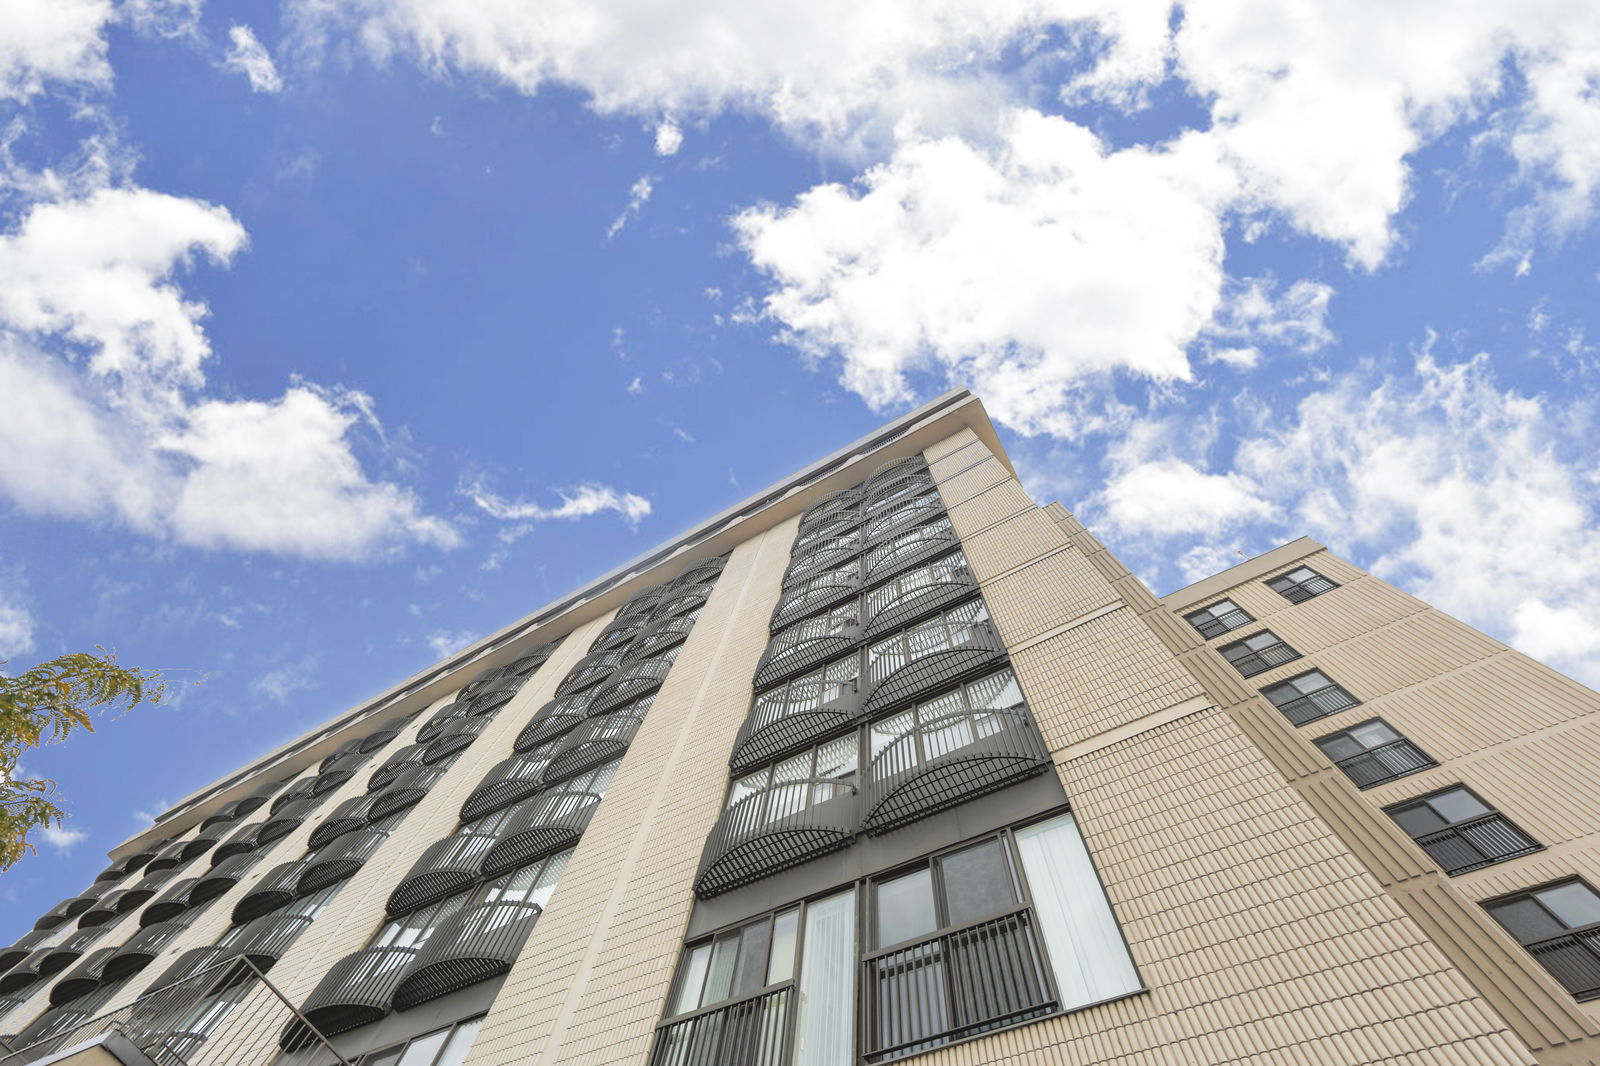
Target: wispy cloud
[283,683]
[638,196]
[248,57]
[589,498]
[61,839]
[443,642]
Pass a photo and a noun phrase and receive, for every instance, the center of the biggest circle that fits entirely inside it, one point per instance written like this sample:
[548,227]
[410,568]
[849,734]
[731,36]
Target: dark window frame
[1211,625]
[1257,659]
[1401,750]
[1588,936]
[1307,699]
[1299,591]
[1453,831]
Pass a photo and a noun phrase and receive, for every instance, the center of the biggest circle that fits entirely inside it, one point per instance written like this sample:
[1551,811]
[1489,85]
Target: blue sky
[337,333]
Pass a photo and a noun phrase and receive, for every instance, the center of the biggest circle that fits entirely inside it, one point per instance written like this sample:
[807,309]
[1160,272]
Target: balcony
[954,986]
[265,939]
[106,909]
[69,951]
[894,679]
[840,524]
[495,695]
[916,594]
[472,945]
[530,659]
[1384,763]
[1476,843]
[24,973]
[82,978]
[555,719]
[381,736]
[224,814]
[683,600]
[406,790]
[949,760]
[896,518]
[298,791]
[26,944]
[632,682]
[645,600]
[447,866]
[403,759]
[1572,958]
[223,877]
[892,490]
[171,903]
[816,594]
[140,859]
[807,644]
[340,860]
[595,743]
[620,631]
[332,758]
[893,470]
[591,670]
[199,845]
[243,842]
[456,740]
[276,888]
[911,548]
[169,857]
[347,817]
[775,729]
[783,825]
[356,990]
[659,636]
[844,501]
[258,797]
[480,681]
[541,826]
[748,1032]
[441,721]
[142,948]
[286,821]
[510,781]
[337,770]
[64,912]
[146,889]
[830,554]
[189,963]
[706,570]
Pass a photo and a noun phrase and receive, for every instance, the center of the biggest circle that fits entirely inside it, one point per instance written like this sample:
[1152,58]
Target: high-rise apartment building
[886,763]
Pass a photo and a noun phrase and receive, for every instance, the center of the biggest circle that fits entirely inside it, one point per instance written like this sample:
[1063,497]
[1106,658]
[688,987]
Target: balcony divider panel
[82,978]
[774,829]
[539,827]
[918,775]
[446,866]
[223,876]
[340,860]
[173,902]
[142,948]
[474,944]
[356,990]
[767,734]
[277,888]
[928,674]
[406,790]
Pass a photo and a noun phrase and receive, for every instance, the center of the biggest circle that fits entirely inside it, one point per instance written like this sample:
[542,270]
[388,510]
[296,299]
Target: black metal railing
[69,951]
[82,978]
[634,681]
[897,678]
[174,901]
[783,825]
[659,636]
[554,719]
[105,909]
[496,694]
[747,1032]
[142,948]
[447,865]
[955,985]
[1252,661]
[1301,591]
[472,945]
[356,990]
[804,645]
[595,743]
[908,549]
[893,469]
[1217,624]
[339,769]
[1477,842]
[456,740]
[297,791]
[264,940]
[1322,703]
[403,759]
[508,781]
[341,859]
[591,670]
[1385,763]
[912,601]
[332,758]
[347,817]
[901,515]
[169,857]
[223,876]
[817,594]
[773,729]
[683,600]
[829,554]
[1573,958]
[541,826]
[26,944]
[531,659]
[405,789]
[381,736]
[277,888]
[441,720]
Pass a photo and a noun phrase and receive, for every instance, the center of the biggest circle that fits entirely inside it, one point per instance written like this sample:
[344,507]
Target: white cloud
[162,18]
[1026,273]
[247,56]
[1253,312]
[16,626]
[636,386]
[443,642]
[282,684]
[52,40]
[132,437]
[585,500]
[61,839]
[669,138]
[1169,496]
[638,196]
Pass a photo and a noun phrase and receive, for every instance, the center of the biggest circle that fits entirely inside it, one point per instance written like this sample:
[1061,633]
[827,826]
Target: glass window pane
[1457,805]
[719,978]
[1373,734]
[1340,746]
[752,969]
[977,882]
[1526,920]
[455,1052]
[1311,682]
[1418,821]
[904,908]
[424,1048]
[780,966]
[1576,903]
[691,978]
[386,1057]
[824,1032]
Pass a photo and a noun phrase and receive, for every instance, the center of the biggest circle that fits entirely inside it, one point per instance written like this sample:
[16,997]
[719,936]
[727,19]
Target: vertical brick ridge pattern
[1261,936]
[590,986]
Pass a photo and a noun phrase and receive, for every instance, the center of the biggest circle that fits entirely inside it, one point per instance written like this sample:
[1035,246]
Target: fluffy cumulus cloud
[104,358]
[581,502]
[1169,496]
[62,840]
[1024,271]
[247,56]
[44,41]
[16,624]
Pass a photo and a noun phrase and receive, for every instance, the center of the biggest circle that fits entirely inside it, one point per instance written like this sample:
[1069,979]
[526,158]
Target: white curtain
[1087,954]
[825,1025]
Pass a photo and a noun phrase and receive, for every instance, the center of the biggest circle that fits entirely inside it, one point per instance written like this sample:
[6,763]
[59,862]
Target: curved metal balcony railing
[245,841]
[264,940]
[683,600]
[457,740]
[197,846]
[783,825]
[224,814]
[223,876]
[595,743]
[406,790]
[26,945]
[480,681]
[356,990]
[843,526]
[259,796]
[916,594]
[445,867]
[170,904]
[633,682]
[700,573]
[843,500]
[189,963]
[116,871]
[64,912]
[142,948]
[643,600]
[896,491]
[82,978]
[660,635]
[591,670]
[495,695]
[818,593]
[69,951]
[293,794]
[339,770]
[24,973]
[911,548]
[510,781]
[347,817]
[531,659]
[442,720]
[775,729]
[901,515]
[140,859]
[341,859]
[332,758]
[807,644]
[146,889]
[831,554]
[541,826]
[556,718]
[472,945]
[620,631]
[894,468]
[58,1022]
[896,680]
[287,821]
[403,759]
[381,736]
[277,888]
[105,909]
[170,857]
[947,761]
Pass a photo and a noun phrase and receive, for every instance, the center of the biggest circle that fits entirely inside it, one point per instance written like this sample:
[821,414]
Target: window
[808,691]
[1460,832]
[950,629]
[442,1047]
[1259,652]
[831,623]
[1372,753]
[949,570]
[803,780]
[1217,619]
[1300,584]
[1560,927]
[946,723]
[1309,696]
[534,883]
[413,930]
